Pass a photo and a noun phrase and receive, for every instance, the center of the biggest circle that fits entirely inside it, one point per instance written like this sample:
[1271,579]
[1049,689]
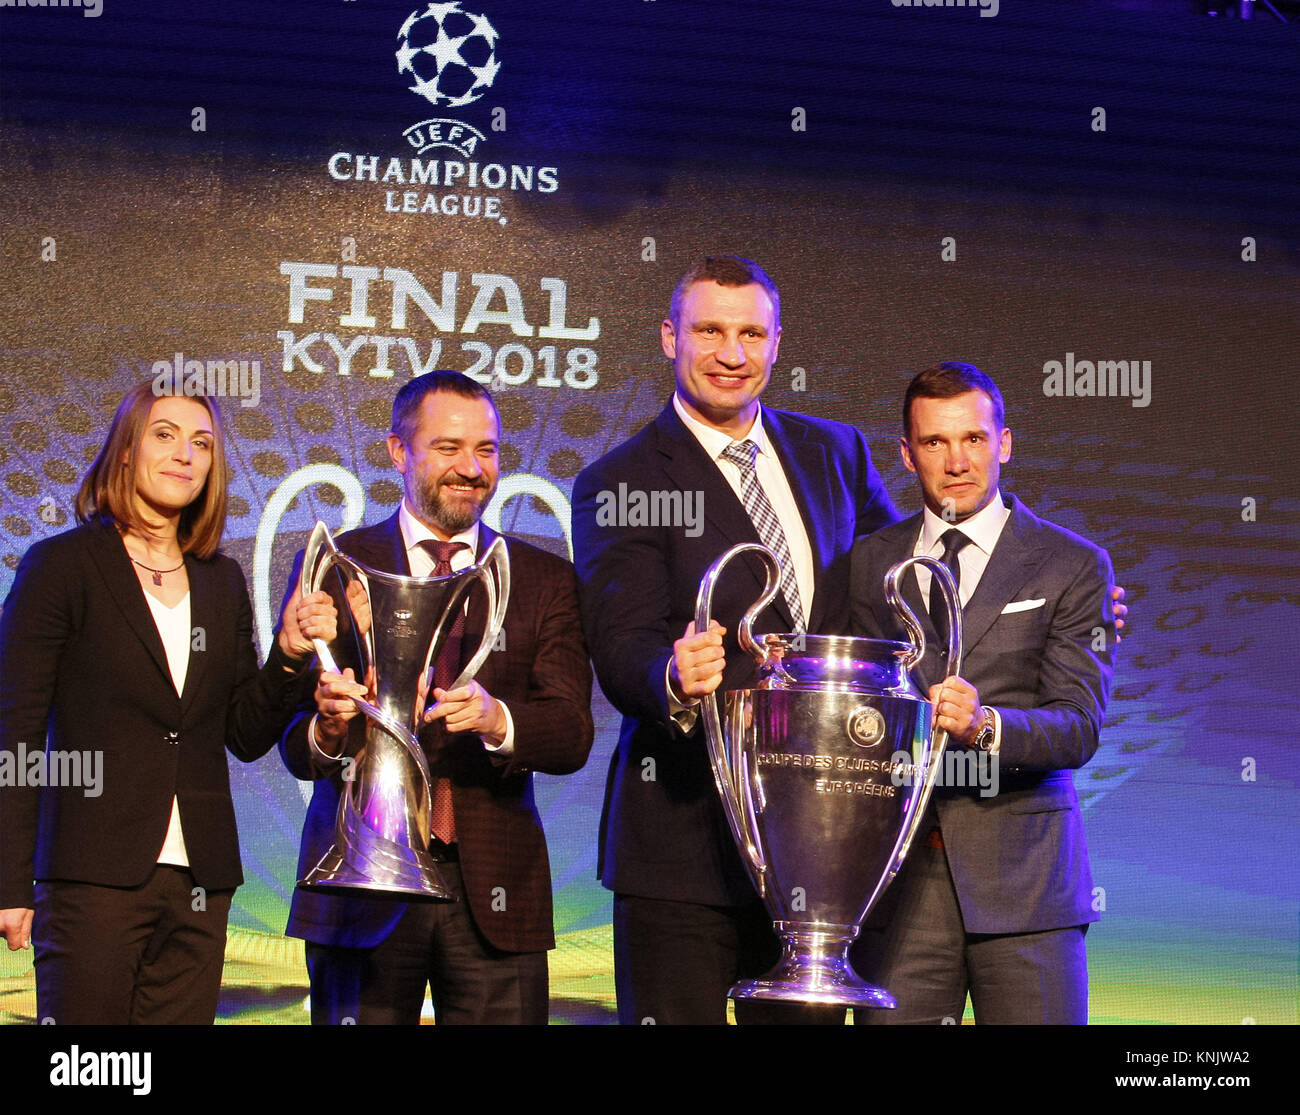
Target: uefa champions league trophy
[386,805]
[820,801]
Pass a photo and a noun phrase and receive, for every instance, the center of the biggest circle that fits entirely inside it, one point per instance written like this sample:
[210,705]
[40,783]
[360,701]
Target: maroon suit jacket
[543,676]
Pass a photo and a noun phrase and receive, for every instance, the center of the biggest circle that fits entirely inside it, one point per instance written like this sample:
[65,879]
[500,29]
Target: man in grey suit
[996,895]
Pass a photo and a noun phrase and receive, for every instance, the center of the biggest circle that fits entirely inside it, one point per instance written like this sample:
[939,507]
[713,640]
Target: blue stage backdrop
[300,197]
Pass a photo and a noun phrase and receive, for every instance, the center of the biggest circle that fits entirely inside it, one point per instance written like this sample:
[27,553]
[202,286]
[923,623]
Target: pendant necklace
[157,573]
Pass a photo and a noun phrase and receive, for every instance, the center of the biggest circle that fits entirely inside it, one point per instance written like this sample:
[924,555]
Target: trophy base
[413,878]
[815,969]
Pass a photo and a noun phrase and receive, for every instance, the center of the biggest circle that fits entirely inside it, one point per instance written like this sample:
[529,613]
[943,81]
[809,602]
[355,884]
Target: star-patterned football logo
[449,53]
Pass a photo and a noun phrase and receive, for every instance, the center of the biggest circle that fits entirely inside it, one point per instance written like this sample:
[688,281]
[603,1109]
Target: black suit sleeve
[40,616]
[625,590]
[553,724]
[875,508]
[862,618]
[263,701]
[295,750]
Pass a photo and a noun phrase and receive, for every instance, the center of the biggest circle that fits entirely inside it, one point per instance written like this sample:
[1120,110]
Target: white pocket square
[1023,605]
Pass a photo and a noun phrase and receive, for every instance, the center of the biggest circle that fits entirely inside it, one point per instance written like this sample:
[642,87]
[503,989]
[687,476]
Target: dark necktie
[445,668]
[758,507]
[953,542]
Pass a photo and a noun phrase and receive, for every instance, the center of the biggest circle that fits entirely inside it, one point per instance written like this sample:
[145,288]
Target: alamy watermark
[91,9]
[1124,379]
[102,1069]
[631,507]
[960,769]
[986,7]
[38,767]
[241,379]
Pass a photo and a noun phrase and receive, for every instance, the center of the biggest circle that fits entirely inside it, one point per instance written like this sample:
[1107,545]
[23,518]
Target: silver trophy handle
[319,557]
[745,628]
[726,774]
[938,738]
[316,560]
[493,571]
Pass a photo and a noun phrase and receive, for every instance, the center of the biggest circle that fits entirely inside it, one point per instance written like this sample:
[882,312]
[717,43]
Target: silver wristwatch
[983,740]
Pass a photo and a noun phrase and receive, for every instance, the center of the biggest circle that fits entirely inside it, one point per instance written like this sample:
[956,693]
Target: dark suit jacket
[543,676]
[82,666]
[663,832]
[1018,859]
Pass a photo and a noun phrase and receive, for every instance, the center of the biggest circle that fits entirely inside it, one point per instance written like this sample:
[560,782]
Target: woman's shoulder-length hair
[107,491]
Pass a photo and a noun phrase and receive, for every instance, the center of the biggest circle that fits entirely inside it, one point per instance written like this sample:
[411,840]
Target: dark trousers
[925,957]
[436,944]
[113,956]
[674,963]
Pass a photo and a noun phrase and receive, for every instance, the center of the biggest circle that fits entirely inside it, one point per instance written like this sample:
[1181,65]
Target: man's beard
[449,517]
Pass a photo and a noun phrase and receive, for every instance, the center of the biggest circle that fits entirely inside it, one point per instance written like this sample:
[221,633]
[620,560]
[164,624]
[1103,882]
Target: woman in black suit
[127,669]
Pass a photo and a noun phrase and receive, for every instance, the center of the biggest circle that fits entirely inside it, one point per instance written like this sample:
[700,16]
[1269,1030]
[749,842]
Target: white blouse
[174,630]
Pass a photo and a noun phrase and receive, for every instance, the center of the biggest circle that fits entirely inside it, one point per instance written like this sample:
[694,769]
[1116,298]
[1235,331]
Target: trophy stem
[815,968]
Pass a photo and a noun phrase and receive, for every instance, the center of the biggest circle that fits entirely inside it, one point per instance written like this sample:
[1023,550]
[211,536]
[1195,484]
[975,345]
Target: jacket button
[173,737]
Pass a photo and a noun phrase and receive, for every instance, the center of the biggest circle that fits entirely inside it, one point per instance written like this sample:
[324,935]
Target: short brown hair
[947,381]
[725,271]
[107,491]
[406,407]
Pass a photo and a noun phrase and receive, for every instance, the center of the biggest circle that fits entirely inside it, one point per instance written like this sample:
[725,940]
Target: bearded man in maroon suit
[529,708]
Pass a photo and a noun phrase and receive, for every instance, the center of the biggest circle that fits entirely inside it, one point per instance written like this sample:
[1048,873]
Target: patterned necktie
[744,454]
[953,542]
[445,668]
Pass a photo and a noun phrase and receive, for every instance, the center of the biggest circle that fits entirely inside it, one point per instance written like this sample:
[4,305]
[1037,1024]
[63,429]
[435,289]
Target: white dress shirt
[984,528]
[174,630]
[422,565]
[772,478]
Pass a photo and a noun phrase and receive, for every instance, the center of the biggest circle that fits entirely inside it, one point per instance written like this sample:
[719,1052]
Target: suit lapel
[901,544]
[804,464]
[379,548]
[109,554]
[912,588]
[476,616]
[203,616]
[382,548]
[902,548]
[1014,559]
[689,468]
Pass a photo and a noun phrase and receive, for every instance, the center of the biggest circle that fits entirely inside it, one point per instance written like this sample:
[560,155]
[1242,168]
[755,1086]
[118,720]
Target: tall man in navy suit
[529,708]
[687,921]
[996,895]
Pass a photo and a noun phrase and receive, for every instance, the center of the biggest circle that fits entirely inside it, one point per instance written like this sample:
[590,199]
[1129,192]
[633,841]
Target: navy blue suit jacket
[663,832]
[1018,858]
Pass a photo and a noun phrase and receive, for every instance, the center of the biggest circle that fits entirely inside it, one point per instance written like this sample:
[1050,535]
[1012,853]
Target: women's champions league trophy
[400,624]
[824,767]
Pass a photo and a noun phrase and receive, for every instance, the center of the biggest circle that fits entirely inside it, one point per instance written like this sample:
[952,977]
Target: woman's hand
[16,924]
[306,618]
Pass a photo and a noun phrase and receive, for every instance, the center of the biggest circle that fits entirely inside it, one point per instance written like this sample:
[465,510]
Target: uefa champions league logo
[449,55]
